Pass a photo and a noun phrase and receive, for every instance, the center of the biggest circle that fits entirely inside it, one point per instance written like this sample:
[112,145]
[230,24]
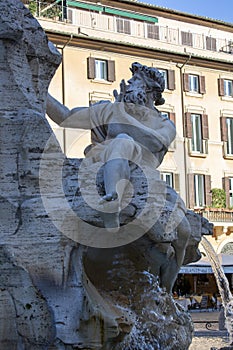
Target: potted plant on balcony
[33,7]
[218,199]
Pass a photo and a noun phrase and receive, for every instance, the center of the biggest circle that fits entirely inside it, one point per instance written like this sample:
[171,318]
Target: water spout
[223,286]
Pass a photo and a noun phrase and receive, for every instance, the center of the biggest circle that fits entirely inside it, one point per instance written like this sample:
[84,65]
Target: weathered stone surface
[25,315]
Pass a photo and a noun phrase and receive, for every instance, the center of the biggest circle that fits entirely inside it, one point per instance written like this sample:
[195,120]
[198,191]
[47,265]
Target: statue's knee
[184,228]
[124,136]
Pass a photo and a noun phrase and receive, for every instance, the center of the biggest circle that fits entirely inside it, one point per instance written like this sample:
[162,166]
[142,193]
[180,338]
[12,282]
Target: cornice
[63,39]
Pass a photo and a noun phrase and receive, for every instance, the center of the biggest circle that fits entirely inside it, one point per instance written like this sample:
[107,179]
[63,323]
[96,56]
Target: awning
[203,265]
[113,11]
[129,14]
[93,7]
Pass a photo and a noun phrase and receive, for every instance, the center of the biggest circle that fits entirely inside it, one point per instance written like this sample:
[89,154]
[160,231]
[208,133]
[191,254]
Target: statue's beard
[135,96]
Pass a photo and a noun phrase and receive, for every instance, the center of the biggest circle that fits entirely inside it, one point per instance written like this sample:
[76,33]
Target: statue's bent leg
[116,175]
[168,274]
[180,244]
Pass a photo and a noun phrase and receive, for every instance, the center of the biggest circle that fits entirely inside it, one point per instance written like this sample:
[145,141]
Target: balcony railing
[216,214]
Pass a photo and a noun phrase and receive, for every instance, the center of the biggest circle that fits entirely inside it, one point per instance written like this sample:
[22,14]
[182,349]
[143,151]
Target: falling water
[223,286]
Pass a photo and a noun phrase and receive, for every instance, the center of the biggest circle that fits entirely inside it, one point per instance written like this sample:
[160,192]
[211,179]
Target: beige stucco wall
[74,89]
[78,89]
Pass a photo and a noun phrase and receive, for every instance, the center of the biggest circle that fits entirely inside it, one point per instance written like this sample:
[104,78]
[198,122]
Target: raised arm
[75,118]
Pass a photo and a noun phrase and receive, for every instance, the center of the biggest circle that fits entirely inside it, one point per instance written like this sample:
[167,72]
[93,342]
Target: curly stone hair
[154,80]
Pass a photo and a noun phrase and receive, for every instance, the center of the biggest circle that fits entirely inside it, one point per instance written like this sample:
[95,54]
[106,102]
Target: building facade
[99,40]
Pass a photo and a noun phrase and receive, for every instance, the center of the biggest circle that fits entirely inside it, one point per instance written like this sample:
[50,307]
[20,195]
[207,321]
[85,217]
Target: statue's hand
[120,97]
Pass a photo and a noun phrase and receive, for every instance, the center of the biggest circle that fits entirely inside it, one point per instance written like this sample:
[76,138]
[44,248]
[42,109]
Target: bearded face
[135,95]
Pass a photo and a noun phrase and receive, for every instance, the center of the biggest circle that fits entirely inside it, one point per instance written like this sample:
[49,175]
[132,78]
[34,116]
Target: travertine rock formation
[56,293]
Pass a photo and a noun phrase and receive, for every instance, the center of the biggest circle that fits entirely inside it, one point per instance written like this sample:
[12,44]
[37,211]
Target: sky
[215,9]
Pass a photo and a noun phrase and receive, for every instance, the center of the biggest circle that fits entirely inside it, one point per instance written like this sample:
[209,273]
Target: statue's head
[148,81]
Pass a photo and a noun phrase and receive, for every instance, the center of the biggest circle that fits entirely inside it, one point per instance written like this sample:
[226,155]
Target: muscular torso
[145,126]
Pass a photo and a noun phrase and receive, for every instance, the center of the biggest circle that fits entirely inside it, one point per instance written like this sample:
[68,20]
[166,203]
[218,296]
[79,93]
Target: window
[123,25]
[227,135]
[69,15]
[169,77]
[196,129]
[171,179]
[167,177]
[228,187]
[100,69]
[231,192]
[169,115]
[228,87]
[196,133]
[194,83]
[211,43]
[186,38]
[152,31]
[199,190]
[164,74]
[165,115]
[225,87]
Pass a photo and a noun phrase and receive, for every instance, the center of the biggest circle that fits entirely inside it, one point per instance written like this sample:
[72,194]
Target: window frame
[186,38]
[152,31]
[211,43]
[229,146]
[191,133]
[169,77]
[121,25]
[197,137]
[165,175]
[194,85]
[230,192]
[110,70]
[101,69]
[188,84]
[164,72]
[199,191]
[228,87]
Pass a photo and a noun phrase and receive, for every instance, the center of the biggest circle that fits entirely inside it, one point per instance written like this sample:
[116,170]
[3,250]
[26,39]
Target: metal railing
[216,215]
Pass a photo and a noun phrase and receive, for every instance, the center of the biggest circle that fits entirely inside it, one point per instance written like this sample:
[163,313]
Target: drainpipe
[187,192]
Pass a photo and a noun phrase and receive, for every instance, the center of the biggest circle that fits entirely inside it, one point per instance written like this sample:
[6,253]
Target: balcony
[97,20]
[216,215]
